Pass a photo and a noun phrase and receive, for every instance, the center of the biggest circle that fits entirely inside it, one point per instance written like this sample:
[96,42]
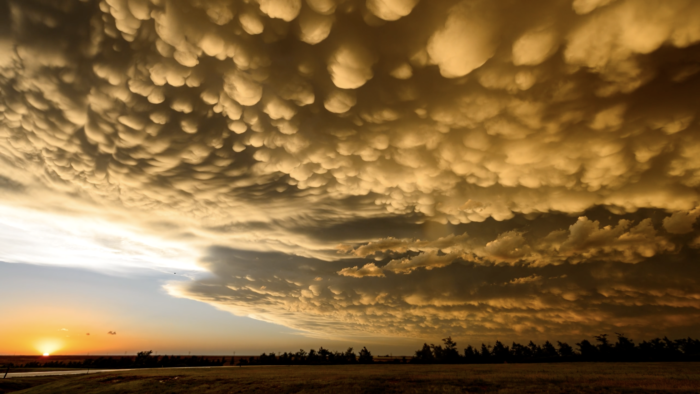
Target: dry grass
[16,360]
[15,384]
[21,360]
[508,378]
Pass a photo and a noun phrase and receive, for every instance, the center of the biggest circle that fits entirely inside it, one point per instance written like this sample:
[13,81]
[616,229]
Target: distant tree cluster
[313,357]
[603,350]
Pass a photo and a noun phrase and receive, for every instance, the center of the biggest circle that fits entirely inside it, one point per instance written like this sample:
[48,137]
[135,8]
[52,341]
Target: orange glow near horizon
[48,345]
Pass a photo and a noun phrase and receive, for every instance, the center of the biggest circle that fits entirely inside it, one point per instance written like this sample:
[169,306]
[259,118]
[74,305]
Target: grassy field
[13,385]
[41,359]
[16,361]
[503,378]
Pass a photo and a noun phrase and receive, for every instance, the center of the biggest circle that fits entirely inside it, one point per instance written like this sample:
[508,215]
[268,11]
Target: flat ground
[502,378]
[21,360]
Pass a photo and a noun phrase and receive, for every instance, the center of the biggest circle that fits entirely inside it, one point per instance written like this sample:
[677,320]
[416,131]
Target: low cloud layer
[392,147]
[463,299]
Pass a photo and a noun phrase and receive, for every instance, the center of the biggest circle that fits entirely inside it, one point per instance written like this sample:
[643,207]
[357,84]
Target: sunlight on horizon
[49,346]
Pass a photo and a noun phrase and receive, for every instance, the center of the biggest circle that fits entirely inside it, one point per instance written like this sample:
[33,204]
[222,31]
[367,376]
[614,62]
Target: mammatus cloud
[681,222]
[462,298]
[369,269]
[584,241]
[292,127]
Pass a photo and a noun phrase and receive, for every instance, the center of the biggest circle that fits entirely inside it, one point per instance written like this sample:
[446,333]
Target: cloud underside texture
[394,167]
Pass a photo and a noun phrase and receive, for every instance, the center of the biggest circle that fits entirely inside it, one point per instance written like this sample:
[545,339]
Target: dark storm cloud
[395,149]
[9,184]
[464,299]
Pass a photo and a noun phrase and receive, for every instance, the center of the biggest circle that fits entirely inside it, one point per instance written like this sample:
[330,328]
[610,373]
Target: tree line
[623,349]
[603,350]
[313,357]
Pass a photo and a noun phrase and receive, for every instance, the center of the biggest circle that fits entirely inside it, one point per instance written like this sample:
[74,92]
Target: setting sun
[48,346]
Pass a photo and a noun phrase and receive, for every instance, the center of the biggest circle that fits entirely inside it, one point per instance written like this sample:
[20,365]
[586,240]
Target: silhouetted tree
[565,350]
[265,359]
[535,350]
[300,356]
[690,347]
[625,349]
[450,354]
[500,353]
[672,351]
[520,353]
[604,348]
[548,351]
[323,354]
[470,355]
[485,355]
[312,357]
[587,350]
[142,355]
[365,356]
[437,352]
[143,359]
[350,356]
[424,356]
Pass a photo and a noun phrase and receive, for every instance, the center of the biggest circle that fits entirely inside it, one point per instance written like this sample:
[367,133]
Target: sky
[212,176]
